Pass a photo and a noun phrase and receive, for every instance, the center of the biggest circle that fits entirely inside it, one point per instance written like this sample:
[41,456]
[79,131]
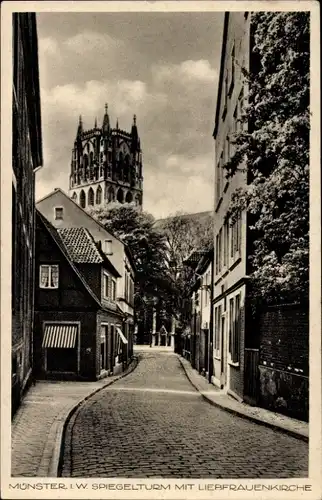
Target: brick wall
[284,360]
[284,338]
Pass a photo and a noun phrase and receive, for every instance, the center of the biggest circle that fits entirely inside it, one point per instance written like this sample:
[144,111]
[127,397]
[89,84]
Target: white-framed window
[113,290]
[105,285]
[107,248]
[59,213]
[48,276]
[217,332]
[234,329]
[235,237]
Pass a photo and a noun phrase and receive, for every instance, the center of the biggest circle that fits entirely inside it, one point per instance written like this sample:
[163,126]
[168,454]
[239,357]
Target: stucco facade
[230,243]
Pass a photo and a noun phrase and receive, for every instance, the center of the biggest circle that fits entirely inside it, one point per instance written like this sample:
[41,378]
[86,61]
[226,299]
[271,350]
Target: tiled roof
[194,258]
[80,245]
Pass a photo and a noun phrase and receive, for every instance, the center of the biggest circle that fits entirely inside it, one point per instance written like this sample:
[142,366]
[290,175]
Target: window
[48,277]
[231,325]
[234,328]
[227,148]
[90,196]
[108,247]
[235,121]
[99,195]
[104,364]
[217,254]
[113,290]
[219,177]
[226,243]
[217,329]
[240,105]
[82,199]
[59,213]
[220,250]
[105,285]
[235,240]
[232,71]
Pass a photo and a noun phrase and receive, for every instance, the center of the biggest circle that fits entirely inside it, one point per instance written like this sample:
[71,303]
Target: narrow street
[153,423]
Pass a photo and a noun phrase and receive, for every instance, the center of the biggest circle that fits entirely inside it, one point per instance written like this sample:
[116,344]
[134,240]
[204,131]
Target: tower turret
[106,122]
[134,135]
[80,127]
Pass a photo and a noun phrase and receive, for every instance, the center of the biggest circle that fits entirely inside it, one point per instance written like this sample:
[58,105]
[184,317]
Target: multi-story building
[78,327]
[62,212]
[106,165]
[26,158]
[200,310]
[230,266]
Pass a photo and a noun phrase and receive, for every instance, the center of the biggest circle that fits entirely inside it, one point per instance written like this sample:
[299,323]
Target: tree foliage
[136,229]
[184,234]
[274,150]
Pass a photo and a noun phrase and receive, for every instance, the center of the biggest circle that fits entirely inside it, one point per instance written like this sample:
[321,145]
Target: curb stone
[55,461]
[274,426]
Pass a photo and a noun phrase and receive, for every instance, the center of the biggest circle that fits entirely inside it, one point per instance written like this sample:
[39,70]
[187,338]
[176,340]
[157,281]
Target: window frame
[235,329]
[106,278]
[105,247]
[56,209]
[50,266]
[113,289]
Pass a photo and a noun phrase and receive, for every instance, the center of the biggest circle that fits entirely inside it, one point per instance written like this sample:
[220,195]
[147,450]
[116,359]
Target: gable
[71,282]
[75,216]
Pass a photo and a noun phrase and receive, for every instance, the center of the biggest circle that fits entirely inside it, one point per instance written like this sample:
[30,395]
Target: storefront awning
[122,336]
[60,336]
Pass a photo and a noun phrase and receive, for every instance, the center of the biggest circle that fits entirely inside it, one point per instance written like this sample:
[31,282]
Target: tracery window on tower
[138,199]
[74,197]
[85,160]
[99,195]
[127,169]
[82,199]
[111,194]
[129,197]
[90,197]
[120,196]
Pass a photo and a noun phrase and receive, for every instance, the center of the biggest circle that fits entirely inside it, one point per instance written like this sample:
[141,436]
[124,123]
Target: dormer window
[107,247]
[59,213]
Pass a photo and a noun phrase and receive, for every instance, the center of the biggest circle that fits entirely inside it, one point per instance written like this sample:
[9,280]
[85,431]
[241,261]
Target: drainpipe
[211,330]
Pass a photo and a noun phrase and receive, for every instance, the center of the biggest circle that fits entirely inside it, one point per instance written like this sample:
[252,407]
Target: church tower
[106,165]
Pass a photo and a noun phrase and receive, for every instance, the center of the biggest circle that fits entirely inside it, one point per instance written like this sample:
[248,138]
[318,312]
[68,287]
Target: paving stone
[140,427]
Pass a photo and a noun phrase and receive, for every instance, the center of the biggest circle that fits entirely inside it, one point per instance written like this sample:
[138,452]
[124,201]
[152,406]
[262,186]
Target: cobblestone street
[153,423]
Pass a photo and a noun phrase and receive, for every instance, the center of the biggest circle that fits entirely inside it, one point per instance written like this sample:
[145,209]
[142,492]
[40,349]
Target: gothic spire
[106,121]
[80,126]
[95,124]
[134,134]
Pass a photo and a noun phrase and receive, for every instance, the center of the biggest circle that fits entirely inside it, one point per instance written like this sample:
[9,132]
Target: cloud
[166,193]
[175,109]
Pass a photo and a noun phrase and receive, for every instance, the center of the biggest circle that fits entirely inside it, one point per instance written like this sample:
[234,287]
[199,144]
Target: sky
[163,68]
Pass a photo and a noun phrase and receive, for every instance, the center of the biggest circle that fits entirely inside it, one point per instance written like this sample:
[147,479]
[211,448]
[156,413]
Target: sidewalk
[37,428]
[261,416]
